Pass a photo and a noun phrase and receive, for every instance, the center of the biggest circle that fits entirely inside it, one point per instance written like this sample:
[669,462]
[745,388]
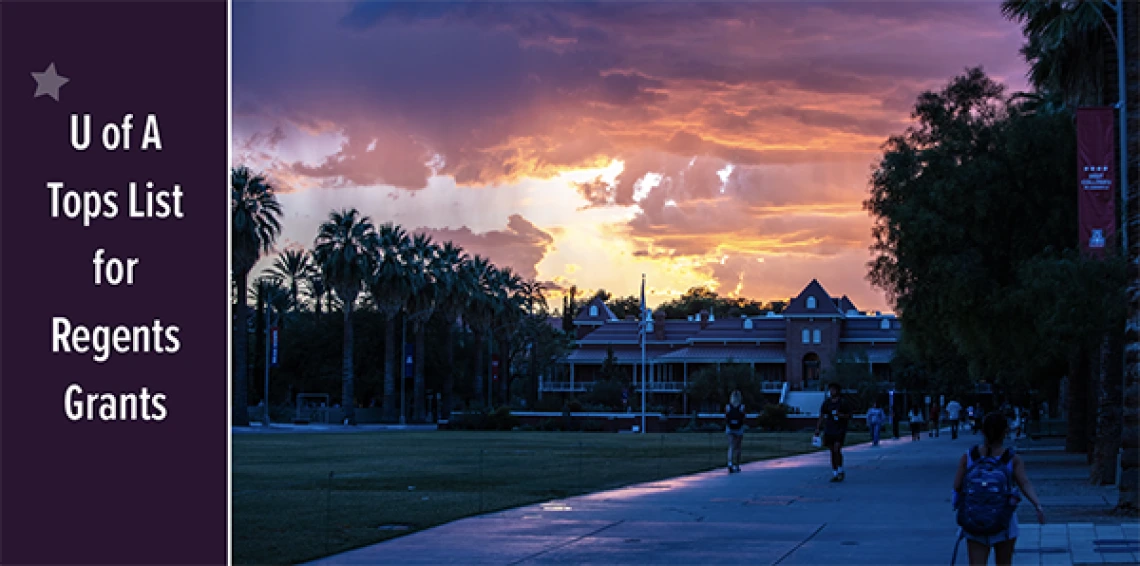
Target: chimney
[703,318]
[659,325]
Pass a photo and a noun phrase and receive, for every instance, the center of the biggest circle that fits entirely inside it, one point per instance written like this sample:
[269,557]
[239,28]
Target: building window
[806,336]
[593,311]
[811,302]
[815,336]
[886,324]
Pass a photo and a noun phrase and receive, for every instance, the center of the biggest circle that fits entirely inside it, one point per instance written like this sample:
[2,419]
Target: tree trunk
[449,375]
[505,370]
[1092,398]
[478,343]
[1107,445]
[240,359]
[1130,443]
[1076,404]
[418,412]
[348,395]
[391,411]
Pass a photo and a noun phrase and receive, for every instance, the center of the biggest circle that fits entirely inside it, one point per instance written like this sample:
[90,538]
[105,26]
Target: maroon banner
[1096,176]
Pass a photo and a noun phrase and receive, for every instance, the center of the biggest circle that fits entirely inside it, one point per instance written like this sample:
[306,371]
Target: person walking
[970,417]
[934,415]
[833,416]
[896,418]
[953,411]
[875,418]
[915,425]
[986,498]
[734,428]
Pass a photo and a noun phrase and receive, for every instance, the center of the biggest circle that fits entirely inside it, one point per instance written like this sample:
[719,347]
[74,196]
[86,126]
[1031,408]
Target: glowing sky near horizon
[724,145]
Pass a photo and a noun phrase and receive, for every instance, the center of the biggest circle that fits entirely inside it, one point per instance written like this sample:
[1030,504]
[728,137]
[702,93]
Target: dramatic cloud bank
[585,143]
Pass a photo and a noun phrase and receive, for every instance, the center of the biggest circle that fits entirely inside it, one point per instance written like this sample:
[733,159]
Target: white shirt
[952,410]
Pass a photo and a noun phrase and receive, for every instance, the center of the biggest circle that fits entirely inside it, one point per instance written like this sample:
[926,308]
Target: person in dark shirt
[833,416]
[734,426]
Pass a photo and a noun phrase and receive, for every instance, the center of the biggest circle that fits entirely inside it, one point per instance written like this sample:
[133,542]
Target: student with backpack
[734,428]
[986,495]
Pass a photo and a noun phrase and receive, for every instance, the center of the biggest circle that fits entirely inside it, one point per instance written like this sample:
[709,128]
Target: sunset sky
[725,145]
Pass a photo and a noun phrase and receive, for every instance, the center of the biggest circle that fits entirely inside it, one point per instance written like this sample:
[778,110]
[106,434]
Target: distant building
[791,348]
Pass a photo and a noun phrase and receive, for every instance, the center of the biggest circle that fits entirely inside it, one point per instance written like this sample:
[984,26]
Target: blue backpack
[988,498]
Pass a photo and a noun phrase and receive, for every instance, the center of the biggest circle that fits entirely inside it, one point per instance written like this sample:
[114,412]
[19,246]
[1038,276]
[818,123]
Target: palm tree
[1071,50]
[1130,465]
[292,267]
[345,251]
[455,293]
[255,226]
[317,289]
[508,304]
[391,285]
[480,311]
[423,266]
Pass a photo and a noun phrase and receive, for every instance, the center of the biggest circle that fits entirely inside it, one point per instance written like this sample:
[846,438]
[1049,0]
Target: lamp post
[268,347]
[403,366]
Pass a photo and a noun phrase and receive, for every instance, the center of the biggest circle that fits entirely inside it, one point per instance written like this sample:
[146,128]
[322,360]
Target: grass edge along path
[298,497]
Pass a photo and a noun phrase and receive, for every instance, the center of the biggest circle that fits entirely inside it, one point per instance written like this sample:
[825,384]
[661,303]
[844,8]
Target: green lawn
[302,496]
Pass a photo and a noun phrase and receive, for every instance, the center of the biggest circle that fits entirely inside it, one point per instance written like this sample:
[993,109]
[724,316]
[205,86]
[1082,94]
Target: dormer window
[806,336]
[815,336]
[886,324]
[811,302]
[593,311]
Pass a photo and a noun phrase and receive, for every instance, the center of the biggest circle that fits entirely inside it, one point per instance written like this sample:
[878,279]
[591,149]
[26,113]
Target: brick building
[789,351]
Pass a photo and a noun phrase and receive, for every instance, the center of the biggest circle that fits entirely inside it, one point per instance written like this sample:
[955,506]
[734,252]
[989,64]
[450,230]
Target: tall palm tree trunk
[240,359]
[348,393]
[1108,426]
[390,409]
[479,365]
[449,376]
[418,413]
[1077,403]
[505,369]
[1130,443]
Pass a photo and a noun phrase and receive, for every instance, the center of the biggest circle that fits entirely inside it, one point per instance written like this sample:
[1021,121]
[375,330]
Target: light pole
[404,365]
[268,346]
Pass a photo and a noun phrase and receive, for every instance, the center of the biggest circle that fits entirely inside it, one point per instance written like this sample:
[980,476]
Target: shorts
[830,438]
[1009,533]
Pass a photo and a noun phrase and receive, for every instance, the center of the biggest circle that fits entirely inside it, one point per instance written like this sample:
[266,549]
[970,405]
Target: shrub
[593,425]
[549,425]
[502,419]
[773,417]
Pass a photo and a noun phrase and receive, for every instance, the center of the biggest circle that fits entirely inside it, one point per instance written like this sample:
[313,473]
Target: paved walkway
[894,508]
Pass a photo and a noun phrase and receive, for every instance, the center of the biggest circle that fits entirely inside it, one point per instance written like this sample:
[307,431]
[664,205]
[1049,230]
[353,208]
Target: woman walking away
[986,497]
[734,427]
[915,425]
[875,418]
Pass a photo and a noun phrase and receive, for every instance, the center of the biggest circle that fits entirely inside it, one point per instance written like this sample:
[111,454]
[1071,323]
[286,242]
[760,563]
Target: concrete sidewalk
[894,508]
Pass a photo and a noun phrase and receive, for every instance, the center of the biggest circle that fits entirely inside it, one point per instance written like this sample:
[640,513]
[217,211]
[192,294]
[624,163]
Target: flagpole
[644,324]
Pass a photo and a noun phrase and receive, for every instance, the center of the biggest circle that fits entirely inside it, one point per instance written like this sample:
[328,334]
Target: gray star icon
[48,82]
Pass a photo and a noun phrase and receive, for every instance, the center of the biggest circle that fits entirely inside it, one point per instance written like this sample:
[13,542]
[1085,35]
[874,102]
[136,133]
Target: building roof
[727,354]
[604,314]
[621,355]
[870,329]
[736,329]
[825,305]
